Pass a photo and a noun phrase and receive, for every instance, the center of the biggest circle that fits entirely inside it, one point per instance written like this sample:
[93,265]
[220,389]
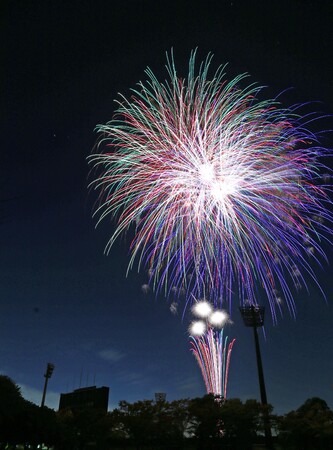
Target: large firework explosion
[221,189]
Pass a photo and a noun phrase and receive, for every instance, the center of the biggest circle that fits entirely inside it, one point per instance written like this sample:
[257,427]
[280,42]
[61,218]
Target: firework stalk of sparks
[213,356]
[220,188]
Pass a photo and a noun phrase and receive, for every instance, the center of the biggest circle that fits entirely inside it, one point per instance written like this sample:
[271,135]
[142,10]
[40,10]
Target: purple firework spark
[222,189]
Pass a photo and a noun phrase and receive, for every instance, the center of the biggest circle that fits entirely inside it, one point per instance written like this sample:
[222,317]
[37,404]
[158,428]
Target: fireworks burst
[220,188]
[209,347]
[213,356]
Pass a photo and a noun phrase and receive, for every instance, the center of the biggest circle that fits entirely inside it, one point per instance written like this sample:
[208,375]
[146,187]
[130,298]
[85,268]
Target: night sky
[61,299]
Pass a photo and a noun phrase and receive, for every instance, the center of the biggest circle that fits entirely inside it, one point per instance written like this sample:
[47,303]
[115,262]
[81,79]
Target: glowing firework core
[206,172]
[213,318]
[218,318]
[202,309]
[197,328]
[216,186]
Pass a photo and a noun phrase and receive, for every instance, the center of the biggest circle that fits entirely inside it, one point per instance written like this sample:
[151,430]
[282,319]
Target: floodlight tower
[47,375]
[253,316]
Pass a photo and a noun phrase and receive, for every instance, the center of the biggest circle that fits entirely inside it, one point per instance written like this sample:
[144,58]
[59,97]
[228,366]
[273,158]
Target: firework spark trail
[213,356]
[222,188]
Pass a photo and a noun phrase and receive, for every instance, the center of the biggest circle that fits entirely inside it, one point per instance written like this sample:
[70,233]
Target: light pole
[47,375]
[253,316]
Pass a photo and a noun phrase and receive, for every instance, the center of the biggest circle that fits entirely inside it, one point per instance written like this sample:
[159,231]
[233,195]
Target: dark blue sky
[62,300]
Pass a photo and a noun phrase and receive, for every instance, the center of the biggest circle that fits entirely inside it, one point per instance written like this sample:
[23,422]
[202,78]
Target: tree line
[205,423]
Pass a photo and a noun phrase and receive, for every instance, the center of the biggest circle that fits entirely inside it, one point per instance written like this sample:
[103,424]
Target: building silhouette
[86,398]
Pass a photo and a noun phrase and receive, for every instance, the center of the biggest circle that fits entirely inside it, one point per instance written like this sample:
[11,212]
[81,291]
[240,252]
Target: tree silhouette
[310,427]
[21,420]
